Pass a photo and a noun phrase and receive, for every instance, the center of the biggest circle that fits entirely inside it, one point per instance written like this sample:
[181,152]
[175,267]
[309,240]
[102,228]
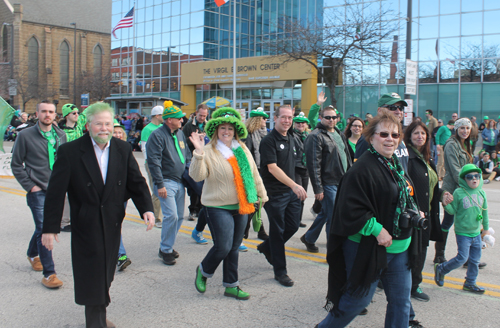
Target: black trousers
[416,272]
[202,219]
[283,212]
[302,179]
[95,316]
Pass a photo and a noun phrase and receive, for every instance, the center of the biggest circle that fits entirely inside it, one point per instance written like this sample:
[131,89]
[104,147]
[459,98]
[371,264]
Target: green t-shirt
[341,146]
[146,132]
[352,144]
[372,227]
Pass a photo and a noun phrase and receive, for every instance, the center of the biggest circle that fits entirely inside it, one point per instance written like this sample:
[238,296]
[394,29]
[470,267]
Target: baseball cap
[390,99]
[157,110]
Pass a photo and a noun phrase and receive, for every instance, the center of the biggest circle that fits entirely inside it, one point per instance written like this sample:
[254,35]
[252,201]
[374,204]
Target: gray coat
[30,157]
[455,157]
[163,160]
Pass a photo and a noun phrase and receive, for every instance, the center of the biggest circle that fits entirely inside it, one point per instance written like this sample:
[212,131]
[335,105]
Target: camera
[412,219]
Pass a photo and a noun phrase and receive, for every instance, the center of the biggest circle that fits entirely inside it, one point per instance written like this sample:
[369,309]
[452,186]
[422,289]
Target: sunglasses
[470,177]
[393,108]
[74,113]
[386,135]
[330,117]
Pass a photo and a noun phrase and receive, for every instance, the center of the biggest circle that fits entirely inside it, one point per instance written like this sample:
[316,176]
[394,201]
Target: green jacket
[442,135]
[467,205]
[76,131]
[313,115]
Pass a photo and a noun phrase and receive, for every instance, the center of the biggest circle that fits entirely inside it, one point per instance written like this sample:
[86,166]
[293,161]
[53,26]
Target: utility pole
[74,63]
[11,62]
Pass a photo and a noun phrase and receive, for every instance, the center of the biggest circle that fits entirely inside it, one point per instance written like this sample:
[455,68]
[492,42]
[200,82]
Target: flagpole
[234,54]
[134,60]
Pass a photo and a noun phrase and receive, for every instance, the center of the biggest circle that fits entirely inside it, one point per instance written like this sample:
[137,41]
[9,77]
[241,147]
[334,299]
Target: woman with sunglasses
[422,172]
[353,133]
[457,153]
[370,240]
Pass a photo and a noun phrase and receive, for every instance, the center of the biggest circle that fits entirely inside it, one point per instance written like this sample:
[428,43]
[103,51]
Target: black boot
[262,233]
[440,249]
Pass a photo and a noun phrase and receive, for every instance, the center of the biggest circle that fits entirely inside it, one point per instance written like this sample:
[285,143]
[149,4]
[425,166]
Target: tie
[178,148]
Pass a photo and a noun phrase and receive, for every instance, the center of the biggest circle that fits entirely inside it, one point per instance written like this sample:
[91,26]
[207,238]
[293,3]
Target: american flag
[220,2]
[127,21]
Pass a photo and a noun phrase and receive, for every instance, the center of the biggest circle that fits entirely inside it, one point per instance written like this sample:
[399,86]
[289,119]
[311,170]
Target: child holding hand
[469,206]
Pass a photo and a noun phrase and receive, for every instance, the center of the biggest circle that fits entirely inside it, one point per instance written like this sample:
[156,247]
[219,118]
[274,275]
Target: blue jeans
[397,286]
[325,216]
[283,211]
[35,202]
[227,228]
[122,250]
[468,248]
[172,208]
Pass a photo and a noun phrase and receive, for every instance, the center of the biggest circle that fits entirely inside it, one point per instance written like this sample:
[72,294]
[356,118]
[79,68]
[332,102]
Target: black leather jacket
[323,160]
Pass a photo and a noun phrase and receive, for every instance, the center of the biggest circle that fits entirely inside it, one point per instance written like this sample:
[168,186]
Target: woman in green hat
[299,134]
[257,129]
[232,187]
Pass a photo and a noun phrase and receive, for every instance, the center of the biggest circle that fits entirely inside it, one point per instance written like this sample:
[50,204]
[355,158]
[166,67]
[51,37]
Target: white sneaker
[497,179]
[158,224]
[486,181]
[313,213]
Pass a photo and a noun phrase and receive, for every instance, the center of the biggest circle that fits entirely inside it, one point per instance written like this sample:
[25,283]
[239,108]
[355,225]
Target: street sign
[12,83]
[411,77]
[13,90]
[85,99]
[408,113]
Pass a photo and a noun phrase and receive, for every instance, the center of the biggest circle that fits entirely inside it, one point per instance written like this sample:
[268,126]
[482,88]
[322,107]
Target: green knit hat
[259,112]
[301,118]
[468,168]
[171,111]
[226,115]
[68,108]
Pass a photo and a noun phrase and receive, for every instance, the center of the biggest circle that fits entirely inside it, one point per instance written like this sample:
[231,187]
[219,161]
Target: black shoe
[176,253]
[414,324]
[363,312]
[168,258]
[192,216]
[262,235]
[310,247]
[302,225]
[123,262]
[66,228]
[419,295]
[284,280]
[380,285]
[439,259]
[481,264]
[266,253]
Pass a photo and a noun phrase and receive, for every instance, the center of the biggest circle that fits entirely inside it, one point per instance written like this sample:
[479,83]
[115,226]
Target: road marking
[290,251]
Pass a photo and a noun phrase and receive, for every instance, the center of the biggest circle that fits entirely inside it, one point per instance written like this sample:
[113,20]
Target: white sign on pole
[12,91]
[411,77]
[408,118]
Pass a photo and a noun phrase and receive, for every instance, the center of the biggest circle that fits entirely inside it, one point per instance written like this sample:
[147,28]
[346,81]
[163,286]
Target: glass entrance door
[271,106]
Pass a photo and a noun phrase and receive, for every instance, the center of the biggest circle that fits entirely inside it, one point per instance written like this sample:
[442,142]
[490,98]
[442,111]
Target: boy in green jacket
[470,208]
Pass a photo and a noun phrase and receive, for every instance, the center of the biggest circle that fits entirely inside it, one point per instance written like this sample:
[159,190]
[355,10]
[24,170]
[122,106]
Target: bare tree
[471,62]
[28,87]
[97,85]
[349,34]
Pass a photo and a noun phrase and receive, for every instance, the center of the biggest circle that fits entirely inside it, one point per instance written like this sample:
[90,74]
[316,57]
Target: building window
[32,65]
[64,68]
[5,44]
[97,60]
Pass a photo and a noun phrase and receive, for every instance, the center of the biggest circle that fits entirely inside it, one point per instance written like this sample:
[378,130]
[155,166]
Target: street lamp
[170,66]
[11,57]
[74,63]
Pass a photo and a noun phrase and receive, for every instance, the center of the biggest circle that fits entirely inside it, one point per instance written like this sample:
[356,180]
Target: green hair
[97,108]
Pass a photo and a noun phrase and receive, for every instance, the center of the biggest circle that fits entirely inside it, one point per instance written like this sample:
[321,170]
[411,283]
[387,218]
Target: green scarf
[52,142]
[404,187]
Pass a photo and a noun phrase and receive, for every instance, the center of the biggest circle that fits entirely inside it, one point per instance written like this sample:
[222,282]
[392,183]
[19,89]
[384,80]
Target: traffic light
[153,85]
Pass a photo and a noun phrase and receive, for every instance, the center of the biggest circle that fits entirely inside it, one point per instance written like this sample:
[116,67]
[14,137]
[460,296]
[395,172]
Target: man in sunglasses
[73,124]
[395,105]
[327,159]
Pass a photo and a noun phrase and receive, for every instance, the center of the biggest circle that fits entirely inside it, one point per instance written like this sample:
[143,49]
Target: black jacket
[190,127]
[417,171]
[97,210]
[323,159]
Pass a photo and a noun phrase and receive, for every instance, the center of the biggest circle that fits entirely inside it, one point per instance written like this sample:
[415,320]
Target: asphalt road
[151,294]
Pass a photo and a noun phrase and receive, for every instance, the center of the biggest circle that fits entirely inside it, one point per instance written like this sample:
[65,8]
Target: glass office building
[456,44]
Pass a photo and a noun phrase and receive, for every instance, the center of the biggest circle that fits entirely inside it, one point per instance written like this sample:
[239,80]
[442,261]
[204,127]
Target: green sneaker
[237,293]
[200,282]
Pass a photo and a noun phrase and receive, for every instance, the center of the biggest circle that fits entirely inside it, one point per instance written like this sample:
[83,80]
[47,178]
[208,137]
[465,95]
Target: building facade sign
[251,69]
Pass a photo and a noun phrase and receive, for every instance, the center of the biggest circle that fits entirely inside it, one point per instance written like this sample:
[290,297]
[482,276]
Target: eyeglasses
[470,177]
[357,126]
[286,118]
[330,117]
[386,135]
[393,108]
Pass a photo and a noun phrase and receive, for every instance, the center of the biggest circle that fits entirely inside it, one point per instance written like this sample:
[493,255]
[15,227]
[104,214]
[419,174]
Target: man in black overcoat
[99,173]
